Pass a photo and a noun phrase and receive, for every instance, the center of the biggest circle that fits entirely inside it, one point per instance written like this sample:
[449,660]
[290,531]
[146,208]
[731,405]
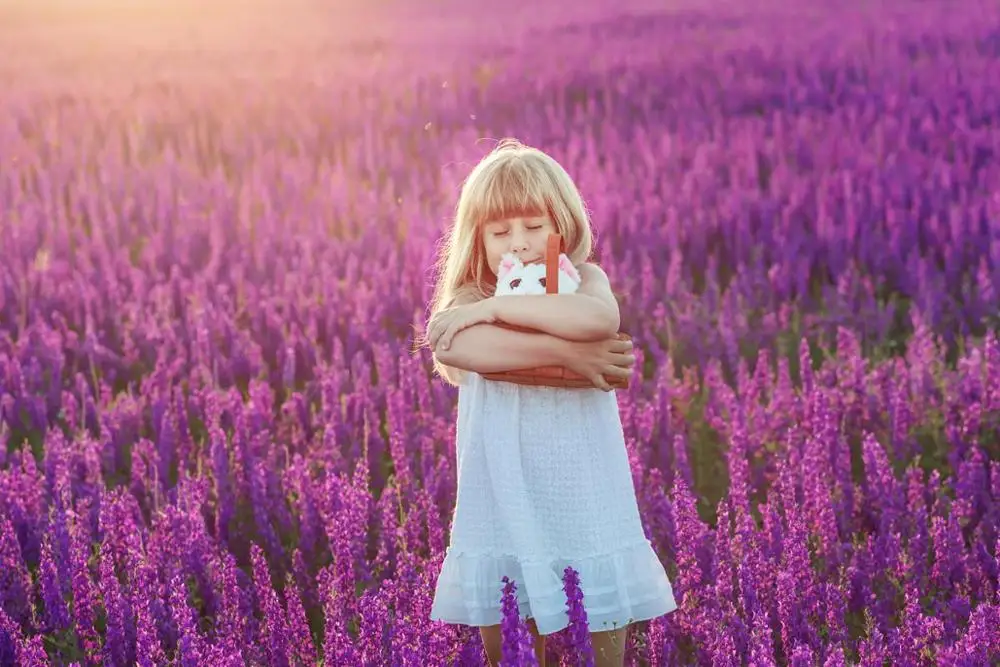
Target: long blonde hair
[512,180]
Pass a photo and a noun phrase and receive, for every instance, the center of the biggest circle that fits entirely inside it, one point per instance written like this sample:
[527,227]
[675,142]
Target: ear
[567,266]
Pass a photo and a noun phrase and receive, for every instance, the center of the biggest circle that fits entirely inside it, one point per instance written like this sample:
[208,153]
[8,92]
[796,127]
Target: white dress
[544,482]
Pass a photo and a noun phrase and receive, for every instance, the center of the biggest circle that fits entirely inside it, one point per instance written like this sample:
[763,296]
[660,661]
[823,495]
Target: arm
[589,314]
[487,348]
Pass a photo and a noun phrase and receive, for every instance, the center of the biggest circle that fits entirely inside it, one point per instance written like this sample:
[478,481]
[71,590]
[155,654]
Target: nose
[518,241]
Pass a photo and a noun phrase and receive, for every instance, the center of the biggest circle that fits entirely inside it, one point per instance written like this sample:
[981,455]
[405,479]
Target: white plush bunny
[518,278]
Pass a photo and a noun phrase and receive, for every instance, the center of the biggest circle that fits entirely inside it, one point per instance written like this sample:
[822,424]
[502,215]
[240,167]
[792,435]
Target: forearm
[570,316]
[485,348]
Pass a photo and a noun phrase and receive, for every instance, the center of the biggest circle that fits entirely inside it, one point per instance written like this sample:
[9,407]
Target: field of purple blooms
[217,225]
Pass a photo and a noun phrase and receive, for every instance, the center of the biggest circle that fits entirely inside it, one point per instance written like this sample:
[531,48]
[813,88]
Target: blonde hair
[512,180]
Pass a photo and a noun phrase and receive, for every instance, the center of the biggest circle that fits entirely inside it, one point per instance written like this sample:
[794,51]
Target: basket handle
[553,247]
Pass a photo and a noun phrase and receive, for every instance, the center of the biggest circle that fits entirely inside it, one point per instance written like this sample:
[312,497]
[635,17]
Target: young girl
[543,476]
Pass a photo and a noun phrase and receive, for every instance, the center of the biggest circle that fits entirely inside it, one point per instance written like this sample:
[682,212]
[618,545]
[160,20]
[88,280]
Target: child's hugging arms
[462,336]
[591,313]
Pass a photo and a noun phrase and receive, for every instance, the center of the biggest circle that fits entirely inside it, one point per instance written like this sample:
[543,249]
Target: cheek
[492,255]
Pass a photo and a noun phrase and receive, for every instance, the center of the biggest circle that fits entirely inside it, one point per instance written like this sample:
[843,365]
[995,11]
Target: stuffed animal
[515,277]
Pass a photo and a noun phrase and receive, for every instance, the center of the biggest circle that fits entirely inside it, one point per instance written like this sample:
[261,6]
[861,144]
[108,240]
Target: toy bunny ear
[507,264]
[567,266]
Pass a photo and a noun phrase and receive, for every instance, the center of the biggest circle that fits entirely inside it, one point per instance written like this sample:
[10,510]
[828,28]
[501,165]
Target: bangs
[507,189]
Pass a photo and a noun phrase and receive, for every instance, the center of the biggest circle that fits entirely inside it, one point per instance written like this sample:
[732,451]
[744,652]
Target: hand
[598,360]
[443,326]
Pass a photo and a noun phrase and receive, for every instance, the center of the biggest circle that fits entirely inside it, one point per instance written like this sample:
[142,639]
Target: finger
[623,360]
[600,382]
[439,333]
[618,371]
[440,328]
[621,345]
[448,335]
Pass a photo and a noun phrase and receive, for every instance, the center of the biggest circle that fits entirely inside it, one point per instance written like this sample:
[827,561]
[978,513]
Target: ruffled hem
[619,588]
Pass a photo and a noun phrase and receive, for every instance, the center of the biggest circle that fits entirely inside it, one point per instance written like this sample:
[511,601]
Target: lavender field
[218,221]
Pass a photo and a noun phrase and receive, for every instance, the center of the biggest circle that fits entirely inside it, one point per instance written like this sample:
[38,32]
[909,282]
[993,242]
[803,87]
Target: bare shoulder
[593,280]
[464,298]
[593,273]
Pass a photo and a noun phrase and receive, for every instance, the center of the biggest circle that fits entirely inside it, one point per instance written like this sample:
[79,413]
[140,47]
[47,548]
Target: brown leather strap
[552,249]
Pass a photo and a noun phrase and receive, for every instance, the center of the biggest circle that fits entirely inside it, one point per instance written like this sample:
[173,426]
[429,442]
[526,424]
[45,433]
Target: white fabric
[544,482]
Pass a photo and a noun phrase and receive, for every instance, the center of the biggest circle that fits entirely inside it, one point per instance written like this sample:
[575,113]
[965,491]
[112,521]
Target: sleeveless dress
[544,482]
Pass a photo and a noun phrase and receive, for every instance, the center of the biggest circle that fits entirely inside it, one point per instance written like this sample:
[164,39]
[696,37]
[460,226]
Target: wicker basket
[552,376]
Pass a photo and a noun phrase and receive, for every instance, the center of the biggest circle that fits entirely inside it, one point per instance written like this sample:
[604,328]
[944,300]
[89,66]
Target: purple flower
[691,539]
[761,644]
[388,510]
[373,628]
[299,635]
[836,658]
[115,649]
[884,498]
[579,630]
[298,482]
[872,651]
[31,652]
[739,471]
[234,613]
[682,465]
[796,586]
[347,526]
[191,646]
[980,644]
[10,639]
[948,570]
[223,486]
[148,650]
[15,581]
[84,592]
[471,653]
[801,656]
[818,511]
[338,646]
[56,610]
[517,644]
[274,637]
[917,635]
[260,501]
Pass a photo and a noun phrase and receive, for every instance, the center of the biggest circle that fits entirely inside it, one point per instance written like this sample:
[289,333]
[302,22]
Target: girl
[543,476]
